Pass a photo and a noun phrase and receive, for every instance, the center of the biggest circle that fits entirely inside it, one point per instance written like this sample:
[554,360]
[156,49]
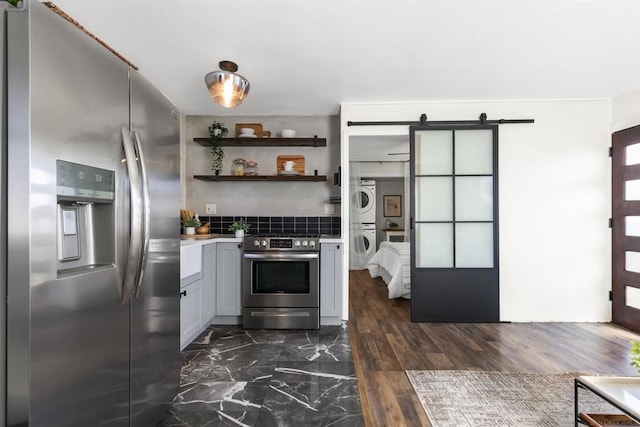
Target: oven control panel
[258,243]
[281,243]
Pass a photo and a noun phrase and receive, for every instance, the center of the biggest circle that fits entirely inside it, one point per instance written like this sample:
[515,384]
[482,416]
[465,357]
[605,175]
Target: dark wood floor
[385,342]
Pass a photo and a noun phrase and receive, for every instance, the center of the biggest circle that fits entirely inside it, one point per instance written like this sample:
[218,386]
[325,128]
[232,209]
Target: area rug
[479,399]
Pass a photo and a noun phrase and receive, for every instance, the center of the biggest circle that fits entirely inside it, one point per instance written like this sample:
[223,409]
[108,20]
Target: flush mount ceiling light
[225,87]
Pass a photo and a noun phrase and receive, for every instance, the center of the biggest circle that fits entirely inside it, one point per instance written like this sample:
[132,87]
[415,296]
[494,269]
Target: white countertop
[223,238]
[229,238]
[330,240]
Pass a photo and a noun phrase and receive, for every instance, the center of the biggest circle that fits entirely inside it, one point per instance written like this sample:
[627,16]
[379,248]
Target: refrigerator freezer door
[68,340]
[155,312]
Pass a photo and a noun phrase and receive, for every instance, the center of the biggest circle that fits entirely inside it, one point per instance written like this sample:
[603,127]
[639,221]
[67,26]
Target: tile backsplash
[277,224]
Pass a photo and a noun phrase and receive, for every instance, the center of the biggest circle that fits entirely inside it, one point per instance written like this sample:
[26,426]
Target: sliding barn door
[454,242]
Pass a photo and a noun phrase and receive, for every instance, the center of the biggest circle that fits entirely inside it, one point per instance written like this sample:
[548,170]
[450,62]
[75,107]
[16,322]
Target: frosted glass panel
[632,189]
[474,198]
[434,197]
[632,225]
[434,152]
[632,297]
[474,245]
[632,261]
[434,245]
[474,152]
[632,154]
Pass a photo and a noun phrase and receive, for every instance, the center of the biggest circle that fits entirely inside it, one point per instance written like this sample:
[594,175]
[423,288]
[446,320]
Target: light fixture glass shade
[226,88]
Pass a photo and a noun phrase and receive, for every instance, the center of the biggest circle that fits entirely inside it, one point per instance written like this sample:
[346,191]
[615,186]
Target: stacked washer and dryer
[366,206]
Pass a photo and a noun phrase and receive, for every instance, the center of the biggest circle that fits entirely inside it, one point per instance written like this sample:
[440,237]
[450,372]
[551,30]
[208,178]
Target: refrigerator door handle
[136,213]
[144,177]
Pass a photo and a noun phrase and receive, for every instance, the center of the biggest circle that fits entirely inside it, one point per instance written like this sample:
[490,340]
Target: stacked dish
[247,133]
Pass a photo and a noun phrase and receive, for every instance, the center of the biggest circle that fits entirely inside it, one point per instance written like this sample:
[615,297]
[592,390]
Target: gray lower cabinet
[331,283]
[191,293]
[191,310]
[209,284]
[228,287]
[213,295]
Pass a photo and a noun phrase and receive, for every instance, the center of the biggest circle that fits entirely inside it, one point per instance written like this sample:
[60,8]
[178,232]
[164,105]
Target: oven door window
[280,277]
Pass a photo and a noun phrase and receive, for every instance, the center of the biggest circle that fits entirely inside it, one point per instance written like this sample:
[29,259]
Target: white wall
[387,187]
[554,184]
[625,111]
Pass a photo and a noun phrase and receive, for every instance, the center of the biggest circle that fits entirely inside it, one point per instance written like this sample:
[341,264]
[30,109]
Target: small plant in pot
[217,131]
[239,227]
[190,225]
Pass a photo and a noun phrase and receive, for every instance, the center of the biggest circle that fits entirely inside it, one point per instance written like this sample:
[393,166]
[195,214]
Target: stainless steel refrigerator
[90,244]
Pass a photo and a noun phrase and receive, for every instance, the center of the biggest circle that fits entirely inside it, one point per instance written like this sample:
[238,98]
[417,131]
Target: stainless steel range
[281,282]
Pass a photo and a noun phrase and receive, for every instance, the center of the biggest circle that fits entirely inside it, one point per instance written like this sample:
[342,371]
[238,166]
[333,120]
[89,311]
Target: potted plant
[217,131]
[635,355]
[239,227]
[190,224]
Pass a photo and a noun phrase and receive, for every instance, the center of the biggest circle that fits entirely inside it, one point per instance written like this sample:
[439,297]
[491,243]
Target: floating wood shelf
[308,178]
[266,142]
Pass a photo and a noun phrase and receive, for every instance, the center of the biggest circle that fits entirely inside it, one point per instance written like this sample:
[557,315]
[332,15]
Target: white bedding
[392,263]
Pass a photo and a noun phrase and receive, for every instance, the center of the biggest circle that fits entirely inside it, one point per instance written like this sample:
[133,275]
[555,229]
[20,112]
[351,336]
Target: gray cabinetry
[209,285]
[192,283]
[210,294]
[191,310]
[228,292]
[331,283]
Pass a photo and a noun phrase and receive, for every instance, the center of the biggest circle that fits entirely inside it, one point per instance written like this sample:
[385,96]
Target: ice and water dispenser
[85,217]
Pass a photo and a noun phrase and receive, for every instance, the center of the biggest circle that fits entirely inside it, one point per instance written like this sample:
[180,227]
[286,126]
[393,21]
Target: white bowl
[288,133]
[247,131]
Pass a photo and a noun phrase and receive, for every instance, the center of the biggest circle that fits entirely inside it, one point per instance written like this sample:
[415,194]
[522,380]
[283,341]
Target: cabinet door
[330,280]
[190,312]
[209,281]
[228,292]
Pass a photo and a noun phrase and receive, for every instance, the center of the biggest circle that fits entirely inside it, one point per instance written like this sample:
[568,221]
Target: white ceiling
[304,57]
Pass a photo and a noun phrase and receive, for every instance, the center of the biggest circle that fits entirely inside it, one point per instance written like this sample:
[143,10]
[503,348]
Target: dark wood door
[454,235]
[625,198]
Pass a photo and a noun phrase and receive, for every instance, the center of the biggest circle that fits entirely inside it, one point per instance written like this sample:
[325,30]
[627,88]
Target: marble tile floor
[263,378]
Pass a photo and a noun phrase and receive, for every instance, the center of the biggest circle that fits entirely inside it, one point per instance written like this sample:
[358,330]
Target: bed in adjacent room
[392,263]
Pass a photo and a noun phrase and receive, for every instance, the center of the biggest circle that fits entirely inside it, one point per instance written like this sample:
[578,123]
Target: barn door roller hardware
[482,120]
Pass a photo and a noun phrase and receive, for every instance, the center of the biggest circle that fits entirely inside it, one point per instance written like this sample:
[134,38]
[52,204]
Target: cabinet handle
[239,245]
[183,294]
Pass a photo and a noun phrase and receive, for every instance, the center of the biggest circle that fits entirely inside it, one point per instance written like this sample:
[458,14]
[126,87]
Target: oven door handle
[282,257]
